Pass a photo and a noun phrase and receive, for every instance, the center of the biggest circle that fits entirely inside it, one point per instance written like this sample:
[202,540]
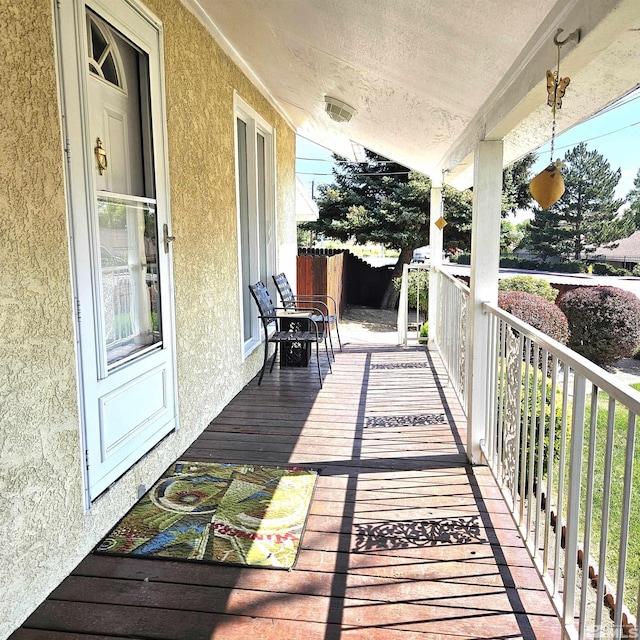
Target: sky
[615,134]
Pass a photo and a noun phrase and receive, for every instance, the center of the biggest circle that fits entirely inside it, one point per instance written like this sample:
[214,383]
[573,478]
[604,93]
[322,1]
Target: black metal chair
[327,316]
[295,319]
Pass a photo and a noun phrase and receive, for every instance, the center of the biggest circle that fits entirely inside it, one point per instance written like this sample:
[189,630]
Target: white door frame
[72,62]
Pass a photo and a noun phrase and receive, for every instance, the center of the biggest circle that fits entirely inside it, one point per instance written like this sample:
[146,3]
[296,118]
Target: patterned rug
[225,513]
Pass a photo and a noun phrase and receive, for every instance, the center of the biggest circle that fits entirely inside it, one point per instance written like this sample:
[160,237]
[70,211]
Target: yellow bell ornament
[548,186]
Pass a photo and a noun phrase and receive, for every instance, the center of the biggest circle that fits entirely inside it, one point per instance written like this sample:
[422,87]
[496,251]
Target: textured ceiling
[428,78]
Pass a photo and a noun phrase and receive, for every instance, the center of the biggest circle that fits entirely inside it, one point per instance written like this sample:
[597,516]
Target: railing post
[485,259]
[573,502]
[435,260]
[403,307]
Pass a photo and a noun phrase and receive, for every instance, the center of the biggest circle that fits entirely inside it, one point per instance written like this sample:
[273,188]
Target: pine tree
[631,219]
[376,201]
[587,214]
[381,201]
[515,184]
[458,209]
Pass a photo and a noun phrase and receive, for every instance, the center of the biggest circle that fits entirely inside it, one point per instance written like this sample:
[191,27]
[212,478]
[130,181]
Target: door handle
[101,156]
[167,238]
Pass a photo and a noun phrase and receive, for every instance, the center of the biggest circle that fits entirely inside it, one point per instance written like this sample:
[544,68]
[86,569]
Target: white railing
[451,329]
[561,443]
[451,318]
[412,305]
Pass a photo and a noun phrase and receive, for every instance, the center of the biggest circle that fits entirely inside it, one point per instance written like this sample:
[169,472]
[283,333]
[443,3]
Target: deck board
[387,436]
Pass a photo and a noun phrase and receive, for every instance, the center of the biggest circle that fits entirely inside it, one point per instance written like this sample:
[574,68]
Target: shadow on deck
[404,540]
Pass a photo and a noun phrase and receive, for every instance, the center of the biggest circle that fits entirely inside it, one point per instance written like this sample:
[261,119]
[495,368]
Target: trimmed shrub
[636,270]
[461,258]
[604,322]
[570,266]
[605,269]
[602,269]
[513,262]
[529,284]
[536,311]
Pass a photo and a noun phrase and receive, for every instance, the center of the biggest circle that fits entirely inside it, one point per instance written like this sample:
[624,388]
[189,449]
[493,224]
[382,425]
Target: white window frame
[255,125]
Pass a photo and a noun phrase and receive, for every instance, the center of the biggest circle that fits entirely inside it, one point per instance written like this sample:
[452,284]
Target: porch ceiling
[428,80]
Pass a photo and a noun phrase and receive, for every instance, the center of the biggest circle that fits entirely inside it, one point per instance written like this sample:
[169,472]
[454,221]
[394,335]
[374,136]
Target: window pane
[98,43]
[109,70]
[262,216]
[129,277]
[245,229]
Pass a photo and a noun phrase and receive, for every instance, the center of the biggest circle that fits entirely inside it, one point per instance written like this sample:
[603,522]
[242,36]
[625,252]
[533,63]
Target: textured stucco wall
[40,468]
[200,81]
[44,530]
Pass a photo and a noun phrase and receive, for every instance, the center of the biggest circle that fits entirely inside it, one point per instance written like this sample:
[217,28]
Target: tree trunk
[391,296]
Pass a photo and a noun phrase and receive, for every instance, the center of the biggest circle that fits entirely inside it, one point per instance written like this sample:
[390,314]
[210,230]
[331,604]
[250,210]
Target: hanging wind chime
[441,223]
[548,186]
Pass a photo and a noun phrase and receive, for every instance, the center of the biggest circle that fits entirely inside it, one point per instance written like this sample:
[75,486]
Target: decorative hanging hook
[556,85]
[572,36]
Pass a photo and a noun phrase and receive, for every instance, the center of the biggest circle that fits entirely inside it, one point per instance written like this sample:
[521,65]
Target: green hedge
[604,322]
[606,269]
[536,311]
[529,284]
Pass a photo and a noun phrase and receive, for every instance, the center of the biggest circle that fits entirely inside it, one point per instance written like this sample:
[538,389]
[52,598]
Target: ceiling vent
[338,111]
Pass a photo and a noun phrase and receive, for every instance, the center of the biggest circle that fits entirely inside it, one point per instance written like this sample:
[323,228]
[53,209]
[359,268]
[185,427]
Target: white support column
[435,248]
[485,264]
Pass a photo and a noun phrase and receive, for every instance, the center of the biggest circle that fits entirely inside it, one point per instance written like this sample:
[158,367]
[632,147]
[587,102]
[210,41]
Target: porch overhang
[429,83]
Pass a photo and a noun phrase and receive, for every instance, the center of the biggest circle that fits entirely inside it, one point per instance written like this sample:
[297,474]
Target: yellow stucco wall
[45,530]
[200,81]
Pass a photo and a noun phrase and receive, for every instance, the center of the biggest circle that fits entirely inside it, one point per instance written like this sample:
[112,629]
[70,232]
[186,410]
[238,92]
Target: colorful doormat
[212,512]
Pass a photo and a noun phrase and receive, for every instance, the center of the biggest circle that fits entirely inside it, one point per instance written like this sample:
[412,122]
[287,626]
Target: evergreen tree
[631,218]
[510,237]
[458,208]
[515,185]
[587,214]
[376,201]
[381,201]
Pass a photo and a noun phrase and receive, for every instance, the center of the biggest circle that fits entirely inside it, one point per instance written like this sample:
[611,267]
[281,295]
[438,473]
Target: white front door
[113,117]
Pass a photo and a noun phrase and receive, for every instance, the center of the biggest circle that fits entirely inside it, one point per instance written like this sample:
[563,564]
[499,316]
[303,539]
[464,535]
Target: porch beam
[485,264]
[435,260]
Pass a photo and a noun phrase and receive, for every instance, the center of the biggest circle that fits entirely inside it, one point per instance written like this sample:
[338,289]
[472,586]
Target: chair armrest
[317,298]
[311,310]
[294,313]
[312,300]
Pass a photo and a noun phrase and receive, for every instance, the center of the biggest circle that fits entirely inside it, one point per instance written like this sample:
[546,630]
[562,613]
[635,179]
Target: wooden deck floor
[404,540]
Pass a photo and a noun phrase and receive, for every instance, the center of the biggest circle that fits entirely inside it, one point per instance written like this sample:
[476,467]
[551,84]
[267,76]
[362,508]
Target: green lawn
[617,479]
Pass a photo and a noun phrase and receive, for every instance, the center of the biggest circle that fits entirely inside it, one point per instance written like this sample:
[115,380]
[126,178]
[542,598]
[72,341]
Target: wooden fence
[342,275]
[323,275]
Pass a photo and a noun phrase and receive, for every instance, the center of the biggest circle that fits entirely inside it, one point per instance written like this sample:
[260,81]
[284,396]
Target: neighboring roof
[306,208]
[429,79]
[628,248]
